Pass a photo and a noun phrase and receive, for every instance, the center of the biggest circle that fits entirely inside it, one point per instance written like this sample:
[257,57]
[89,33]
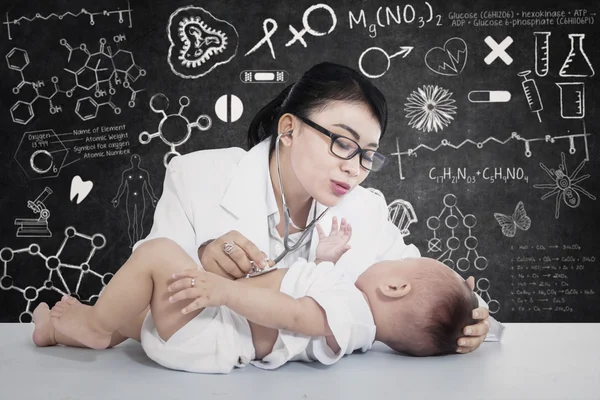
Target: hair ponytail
[262,125]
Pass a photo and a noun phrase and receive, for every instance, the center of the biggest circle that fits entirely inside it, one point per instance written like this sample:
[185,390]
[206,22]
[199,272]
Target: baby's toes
[70,300]
[58,307]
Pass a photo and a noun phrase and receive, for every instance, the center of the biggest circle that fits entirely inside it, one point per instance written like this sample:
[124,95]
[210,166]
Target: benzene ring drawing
[173,129]
[199,42]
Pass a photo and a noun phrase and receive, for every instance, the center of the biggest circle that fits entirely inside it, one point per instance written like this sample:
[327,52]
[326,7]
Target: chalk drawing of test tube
[404,51]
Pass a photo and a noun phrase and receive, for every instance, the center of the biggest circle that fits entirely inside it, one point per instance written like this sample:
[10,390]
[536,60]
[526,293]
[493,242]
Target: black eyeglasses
[346,148]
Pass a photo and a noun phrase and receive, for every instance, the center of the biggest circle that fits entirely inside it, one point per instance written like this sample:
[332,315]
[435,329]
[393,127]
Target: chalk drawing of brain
[199,42]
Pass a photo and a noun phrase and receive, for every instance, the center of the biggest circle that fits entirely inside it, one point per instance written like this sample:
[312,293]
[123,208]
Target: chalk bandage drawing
[199,42]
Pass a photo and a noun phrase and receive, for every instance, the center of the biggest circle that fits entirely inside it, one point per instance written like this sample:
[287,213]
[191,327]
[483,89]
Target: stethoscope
[287,221]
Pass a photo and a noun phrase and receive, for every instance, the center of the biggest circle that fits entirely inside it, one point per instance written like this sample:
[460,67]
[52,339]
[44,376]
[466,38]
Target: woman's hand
[207,289]
[474,334]
[232,256]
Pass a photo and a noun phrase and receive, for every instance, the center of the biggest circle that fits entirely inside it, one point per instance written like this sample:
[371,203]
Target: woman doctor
[225,207]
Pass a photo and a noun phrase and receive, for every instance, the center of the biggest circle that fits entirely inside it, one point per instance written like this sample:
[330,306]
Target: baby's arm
[332,247]
[276,310]
[263,306]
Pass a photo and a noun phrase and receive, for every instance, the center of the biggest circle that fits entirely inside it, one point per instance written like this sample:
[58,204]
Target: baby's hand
[207,289]
[332,247]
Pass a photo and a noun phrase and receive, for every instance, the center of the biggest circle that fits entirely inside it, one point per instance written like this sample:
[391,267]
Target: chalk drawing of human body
[135,181]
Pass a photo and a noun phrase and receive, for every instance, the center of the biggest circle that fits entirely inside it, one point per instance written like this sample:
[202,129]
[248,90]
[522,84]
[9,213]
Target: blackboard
[492,132]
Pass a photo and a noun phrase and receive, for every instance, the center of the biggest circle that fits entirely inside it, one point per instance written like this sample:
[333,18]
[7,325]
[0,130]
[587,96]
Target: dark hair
[437,325]
[446,324]
[318,86]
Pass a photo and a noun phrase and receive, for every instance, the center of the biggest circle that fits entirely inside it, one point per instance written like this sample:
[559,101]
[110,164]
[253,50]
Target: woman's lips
[340,188]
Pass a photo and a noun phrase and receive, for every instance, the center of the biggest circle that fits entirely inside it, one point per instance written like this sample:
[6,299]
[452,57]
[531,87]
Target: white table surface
[534,361]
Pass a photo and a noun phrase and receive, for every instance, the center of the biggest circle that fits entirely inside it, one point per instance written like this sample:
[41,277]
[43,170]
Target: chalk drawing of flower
[430,108]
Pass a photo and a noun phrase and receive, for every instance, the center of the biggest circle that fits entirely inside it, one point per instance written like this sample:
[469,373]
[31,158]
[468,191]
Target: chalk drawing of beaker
[572,99]
[577,63]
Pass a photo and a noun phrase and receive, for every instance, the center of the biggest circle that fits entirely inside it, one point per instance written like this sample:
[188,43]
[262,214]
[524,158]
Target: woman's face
[324,176]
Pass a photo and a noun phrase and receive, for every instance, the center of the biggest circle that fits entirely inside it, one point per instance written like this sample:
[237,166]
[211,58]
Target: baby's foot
[74,319]
[43,334]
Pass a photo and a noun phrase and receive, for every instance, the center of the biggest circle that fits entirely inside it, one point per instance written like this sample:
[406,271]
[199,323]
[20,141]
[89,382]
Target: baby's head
[420,306]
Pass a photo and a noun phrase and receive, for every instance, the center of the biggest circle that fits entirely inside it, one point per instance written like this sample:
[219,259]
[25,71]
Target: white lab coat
[211,192]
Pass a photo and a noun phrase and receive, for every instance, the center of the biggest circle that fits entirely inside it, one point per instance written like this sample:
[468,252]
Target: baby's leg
[44,333]
[142,280]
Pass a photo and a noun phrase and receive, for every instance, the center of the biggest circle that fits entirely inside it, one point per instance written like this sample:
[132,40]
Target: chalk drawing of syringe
[513,136]
[91,15]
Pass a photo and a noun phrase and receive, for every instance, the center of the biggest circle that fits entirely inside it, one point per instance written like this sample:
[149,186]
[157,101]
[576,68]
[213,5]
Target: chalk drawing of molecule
[482,288]
[173,129]
[453,244]
[101,72]
[91,15]
[54,264]
[453,217]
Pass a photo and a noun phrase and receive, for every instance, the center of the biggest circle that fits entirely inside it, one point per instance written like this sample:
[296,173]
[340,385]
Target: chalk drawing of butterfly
[510,223]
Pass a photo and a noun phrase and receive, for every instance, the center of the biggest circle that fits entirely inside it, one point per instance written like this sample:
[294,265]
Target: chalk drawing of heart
[449,60]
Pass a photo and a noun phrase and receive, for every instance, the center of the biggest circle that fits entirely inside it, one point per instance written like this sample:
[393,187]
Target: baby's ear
[395,290]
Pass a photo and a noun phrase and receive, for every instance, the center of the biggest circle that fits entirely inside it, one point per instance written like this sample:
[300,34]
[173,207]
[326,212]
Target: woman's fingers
[474,336]
[209,259]
[471,282]
[479,329]
[241,262]
[229,266]
[224,272]
[481,313]
[232,256]
[252,252]
[467,345]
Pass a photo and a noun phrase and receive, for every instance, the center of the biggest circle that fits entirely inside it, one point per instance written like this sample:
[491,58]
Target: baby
[309,312]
